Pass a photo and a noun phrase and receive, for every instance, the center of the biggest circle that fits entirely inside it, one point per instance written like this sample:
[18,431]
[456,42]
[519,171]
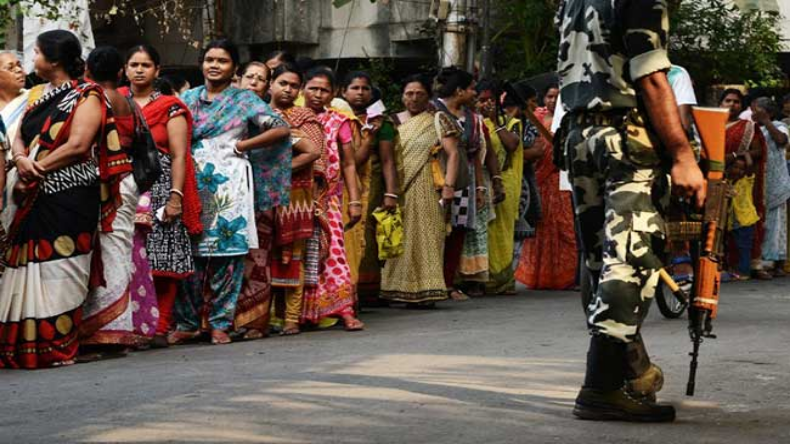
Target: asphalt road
[492,370]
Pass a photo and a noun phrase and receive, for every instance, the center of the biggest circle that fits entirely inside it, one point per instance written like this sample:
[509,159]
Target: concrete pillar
[453,48]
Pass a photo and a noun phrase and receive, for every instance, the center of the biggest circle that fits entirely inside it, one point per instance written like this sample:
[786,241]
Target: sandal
[103,355]
[290,332]
[219,337]
[181,337]
[476,292]
[65,363]
[160,341]
[325,323]
[730,276]
[290,329]
[252,334]
[353,324]
[420,306]
[458,295]
[761,275]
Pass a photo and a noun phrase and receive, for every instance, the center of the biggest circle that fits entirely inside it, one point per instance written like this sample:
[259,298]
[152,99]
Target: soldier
[620,138]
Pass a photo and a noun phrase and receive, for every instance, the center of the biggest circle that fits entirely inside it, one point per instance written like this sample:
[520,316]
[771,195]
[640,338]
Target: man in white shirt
[682,86]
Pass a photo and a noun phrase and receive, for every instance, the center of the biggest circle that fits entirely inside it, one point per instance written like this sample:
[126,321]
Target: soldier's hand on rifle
[687,179]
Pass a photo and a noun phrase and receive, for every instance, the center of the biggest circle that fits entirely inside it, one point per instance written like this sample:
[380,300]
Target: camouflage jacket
[605,46]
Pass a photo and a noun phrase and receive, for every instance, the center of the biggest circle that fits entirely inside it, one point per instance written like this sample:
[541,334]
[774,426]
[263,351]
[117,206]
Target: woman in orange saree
[548,260]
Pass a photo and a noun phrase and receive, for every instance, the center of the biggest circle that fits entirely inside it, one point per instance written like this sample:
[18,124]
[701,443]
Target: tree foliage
[524,39]
[170,15]
[719,43]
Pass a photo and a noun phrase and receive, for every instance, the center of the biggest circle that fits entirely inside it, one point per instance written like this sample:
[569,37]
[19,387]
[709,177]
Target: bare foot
[290,329]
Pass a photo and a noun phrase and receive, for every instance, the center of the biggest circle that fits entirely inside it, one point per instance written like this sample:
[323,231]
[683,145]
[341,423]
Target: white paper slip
[375,110]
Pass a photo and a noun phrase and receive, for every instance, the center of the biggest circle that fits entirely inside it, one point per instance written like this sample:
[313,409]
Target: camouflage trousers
[620,191]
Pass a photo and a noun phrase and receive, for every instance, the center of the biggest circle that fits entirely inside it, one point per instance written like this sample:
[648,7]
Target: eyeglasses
[261,79]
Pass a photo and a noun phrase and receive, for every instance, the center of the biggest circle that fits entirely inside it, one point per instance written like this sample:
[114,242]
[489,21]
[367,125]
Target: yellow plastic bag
[389,233]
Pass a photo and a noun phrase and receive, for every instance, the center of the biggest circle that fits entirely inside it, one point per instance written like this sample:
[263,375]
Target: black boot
[605,395]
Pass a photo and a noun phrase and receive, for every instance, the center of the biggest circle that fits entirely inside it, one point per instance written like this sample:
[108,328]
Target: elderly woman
[70,162]
[777,183]
[13,96]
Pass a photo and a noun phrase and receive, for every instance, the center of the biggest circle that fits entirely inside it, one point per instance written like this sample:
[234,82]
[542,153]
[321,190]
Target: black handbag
[146,167]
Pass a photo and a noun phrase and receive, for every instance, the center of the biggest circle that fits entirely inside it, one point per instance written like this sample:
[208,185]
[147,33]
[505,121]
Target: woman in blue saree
[223,118]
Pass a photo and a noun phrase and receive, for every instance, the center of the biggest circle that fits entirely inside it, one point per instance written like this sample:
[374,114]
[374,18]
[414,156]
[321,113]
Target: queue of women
[261,219]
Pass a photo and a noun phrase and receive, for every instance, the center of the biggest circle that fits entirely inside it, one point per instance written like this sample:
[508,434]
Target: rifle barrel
[693,370]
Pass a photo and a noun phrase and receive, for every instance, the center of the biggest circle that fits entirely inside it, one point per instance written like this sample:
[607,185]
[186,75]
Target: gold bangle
[355,203]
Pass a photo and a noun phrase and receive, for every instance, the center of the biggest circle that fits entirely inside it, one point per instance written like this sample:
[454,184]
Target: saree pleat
[548,260]
[501,231]
[107,312]
[254,302]
[355,238]
[50,254]
[417,275]
[333,295]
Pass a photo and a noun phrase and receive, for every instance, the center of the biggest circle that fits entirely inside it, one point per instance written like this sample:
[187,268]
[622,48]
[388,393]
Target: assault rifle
[703,303]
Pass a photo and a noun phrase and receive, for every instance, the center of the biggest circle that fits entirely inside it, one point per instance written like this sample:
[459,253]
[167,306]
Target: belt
[599,118]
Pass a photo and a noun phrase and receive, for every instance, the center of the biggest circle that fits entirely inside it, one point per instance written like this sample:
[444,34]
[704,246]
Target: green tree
[525,40]
[717,42]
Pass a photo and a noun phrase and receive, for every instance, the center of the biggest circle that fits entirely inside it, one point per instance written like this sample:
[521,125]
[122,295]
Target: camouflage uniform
[619,182]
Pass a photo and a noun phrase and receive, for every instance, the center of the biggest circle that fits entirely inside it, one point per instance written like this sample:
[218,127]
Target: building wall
[315,28]
[780,6]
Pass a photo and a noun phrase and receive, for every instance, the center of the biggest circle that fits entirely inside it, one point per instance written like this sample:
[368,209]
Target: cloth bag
[389,233]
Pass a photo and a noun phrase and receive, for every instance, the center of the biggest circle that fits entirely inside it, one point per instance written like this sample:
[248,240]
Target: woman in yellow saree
[417,277]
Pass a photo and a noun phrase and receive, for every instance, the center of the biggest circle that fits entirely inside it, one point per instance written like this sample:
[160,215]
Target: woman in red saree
[296,263]
[166,242]
[548,260]
[746,141]
[70,163]
[333,296]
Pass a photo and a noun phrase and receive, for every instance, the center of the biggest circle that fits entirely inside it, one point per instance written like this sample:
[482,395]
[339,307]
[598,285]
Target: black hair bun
[76,68]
